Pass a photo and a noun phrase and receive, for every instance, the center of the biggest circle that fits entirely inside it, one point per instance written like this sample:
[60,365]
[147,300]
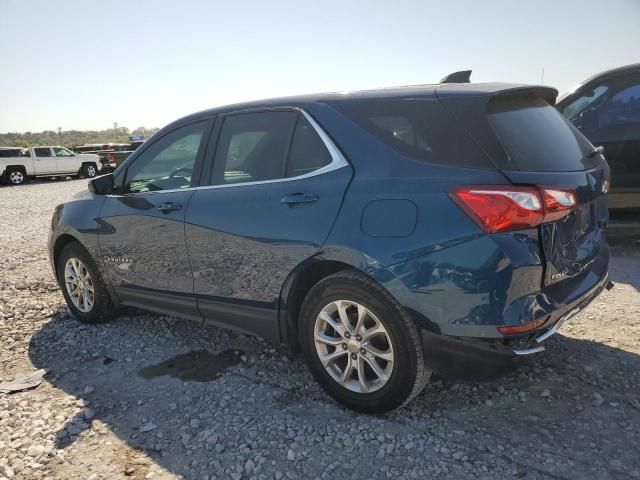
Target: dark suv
[385,233]
[606,109]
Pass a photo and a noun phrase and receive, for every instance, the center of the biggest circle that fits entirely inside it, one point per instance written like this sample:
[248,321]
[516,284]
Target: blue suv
[384,233]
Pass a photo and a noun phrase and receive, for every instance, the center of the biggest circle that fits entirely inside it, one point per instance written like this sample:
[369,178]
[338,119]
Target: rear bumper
[448,354]
[450,338]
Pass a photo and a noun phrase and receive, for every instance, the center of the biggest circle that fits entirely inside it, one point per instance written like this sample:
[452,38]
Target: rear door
[271,198]
[44,163]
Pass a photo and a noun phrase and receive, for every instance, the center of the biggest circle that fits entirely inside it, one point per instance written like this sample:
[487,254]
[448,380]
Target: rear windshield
[537,137]
[418,128]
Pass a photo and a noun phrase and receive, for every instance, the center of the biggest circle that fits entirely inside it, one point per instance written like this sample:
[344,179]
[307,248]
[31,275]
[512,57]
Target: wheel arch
[61,242]
[10,168]
[295,289]
[67,238]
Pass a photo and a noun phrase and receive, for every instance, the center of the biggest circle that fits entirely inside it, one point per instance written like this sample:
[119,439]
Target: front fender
[79,220]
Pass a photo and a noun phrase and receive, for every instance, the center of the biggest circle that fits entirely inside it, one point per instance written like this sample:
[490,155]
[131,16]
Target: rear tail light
[505,208]
[557,203]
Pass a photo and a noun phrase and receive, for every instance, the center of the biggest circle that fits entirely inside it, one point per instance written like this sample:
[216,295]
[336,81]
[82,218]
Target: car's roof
[423,90]
[602,76]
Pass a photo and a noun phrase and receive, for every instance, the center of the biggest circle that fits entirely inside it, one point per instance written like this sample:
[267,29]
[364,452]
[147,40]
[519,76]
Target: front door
[274,193]
[142,240]
[66,161]
[44,162]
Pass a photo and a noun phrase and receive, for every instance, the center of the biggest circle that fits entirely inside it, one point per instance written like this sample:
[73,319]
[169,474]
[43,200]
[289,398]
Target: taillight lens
[557,203]
[500,209]
[504,208]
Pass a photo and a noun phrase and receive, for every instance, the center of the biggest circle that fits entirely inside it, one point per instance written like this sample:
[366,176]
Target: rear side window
[537,137]
[418,128]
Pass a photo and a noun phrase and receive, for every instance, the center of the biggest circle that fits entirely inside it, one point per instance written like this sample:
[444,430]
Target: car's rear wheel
[89,170]
[360,344]
[15,176]
[82,285]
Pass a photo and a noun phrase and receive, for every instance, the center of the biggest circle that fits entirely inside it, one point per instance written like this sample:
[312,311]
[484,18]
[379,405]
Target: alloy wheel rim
[79,285]
[91,170]
[16,177]
[354,346]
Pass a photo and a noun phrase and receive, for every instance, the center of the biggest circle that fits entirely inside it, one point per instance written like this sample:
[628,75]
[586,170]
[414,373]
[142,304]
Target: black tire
[103,308]
[409,374]
[15,176]
[89,170]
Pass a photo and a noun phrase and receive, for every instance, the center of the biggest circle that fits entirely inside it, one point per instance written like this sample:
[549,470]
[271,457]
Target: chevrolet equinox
[384,233]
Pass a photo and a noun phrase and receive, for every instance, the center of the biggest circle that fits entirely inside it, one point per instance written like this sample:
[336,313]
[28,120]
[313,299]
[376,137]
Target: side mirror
[102,185]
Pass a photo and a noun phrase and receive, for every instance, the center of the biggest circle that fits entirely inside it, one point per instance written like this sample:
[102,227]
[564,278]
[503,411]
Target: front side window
[62,152]
[253,147]
[42,152]
[168,163]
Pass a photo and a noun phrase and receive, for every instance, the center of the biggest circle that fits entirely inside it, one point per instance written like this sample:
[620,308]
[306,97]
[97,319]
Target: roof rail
[463,76]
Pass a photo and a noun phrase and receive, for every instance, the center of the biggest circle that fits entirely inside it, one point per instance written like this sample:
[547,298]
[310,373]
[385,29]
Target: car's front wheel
[360,344]
[82,285]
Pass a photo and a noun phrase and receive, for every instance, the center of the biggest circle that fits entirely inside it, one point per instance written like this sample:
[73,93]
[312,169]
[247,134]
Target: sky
[86,64]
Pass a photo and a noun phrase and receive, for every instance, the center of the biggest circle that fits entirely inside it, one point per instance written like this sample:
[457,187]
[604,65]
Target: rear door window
[253,147]
[537,137]
[42,152]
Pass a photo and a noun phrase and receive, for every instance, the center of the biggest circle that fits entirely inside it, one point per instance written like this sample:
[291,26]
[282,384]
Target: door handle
[169,207]
[297,199]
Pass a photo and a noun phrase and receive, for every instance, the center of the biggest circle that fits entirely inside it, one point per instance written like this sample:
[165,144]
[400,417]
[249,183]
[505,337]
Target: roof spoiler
[537,91]
[463,76]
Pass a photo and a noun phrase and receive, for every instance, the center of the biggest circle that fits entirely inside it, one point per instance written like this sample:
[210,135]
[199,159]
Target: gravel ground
[121,401]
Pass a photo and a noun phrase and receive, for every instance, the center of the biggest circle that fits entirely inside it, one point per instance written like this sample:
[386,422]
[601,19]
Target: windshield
[583,102]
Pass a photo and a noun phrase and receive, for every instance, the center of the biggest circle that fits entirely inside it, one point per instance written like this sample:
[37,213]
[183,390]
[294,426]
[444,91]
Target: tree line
[71,138]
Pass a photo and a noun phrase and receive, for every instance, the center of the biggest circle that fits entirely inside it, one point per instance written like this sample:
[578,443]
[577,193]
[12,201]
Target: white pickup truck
[19,164]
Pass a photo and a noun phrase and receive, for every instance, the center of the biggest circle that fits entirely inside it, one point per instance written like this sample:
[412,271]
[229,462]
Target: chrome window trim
[337,161]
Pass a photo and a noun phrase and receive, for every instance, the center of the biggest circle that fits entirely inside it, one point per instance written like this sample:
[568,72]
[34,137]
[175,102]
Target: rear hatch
[532,144]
